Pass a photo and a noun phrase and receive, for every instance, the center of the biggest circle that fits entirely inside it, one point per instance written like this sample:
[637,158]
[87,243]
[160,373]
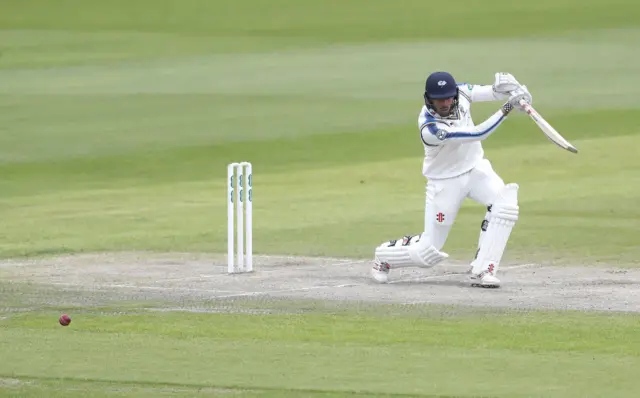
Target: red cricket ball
[64,320]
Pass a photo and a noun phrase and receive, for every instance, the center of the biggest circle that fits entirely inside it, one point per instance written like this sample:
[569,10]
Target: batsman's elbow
[433,136]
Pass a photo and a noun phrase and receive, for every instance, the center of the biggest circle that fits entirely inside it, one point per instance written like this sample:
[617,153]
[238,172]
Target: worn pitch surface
[183,281]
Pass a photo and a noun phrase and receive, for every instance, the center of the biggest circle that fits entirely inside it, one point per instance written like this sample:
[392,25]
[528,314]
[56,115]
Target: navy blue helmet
[440,85]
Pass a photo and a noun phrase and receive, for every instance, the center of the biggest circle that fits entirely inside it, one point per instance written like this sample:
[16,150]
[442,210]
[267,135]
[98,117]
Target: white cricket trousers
[445,196]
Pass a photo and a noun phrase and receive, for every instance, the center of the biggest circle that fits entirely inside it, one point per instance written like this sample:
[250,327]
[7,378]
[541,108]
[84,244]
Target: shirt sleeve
[436,132]
[481,93]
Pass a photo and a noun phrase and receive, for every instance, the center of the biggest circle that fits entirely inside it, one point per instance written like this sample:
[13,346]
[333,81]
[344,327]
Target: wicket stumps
[239,193]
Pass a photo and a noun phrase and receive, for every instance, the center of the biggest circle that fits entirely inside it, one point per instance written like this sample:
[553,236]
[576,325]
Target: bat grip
[525,105]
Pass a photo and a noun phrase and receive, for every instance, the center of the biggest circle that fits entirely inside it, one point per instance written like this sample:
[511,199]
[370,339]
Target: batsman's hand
[505,83]
[519,94]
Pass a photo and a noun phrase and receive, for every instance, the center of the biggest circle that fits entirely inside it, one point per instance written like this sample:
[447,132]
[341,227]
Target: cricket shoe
[485,279]
[380,271]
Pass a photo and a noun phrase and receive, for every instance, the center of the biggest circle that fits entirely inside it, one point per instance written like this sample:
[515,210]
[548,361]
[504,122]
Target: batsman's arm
[482,93]
[437,132]
[504,84]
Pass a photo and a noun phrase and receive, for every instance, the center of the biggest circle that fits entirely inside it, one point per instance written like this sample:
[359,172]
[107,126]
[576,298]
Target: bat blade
[551,133]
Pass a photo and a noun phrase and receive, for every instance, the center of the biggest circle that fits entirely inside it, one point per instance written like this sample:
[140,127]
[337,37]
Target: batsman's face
[443,106]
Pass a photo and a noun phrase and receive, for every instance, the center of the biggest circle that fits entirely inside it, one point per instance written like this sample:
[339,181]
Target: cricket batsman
[455,168]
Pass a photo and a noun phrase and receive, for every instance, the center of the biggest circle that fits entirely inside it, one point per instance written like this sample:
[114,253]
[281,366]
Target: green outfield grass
[117,121]
[157,200]
[436,354]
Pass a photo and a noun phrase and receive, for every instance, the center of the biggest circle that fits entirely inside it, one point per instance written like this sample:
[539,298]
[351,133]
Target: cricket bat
[546,128]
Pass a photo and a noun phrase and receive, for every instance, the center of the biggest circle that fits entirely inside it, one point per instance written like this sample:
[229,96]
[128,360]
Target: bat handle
[526,106]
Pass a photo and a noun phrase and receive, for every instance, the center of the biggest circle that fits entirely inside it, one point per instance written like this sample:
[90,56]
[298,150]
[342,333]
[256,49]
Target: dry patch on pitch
[8,382]
[199,282]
